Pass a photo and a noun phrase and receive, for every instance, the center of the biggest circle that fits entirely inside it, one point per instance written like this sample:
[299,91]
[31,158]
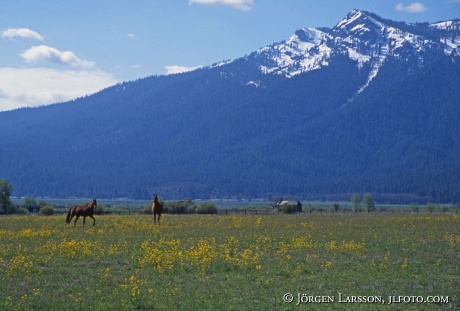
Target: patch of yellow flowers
[166,255]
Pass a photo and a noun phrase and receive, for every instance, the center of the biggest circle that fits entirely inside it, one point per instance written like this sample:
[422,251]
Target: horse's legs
[84,219]
[76,218]
[159,216]
[94,220]
[154,218]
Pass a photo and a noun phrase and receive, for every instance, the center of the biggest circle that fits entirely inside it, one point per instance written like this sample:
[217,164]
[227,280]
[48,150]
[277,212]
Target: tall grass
[228,262]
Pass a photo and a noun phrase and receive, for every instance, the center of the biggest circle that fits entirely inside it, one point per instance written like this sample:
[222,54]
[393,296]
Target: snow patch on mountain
[304,51]
[450,37]
[254,83]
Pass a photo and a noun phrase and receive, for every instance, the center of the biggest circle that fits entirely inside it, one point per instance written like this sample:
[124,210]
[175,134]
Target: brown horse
[157,208]
[82,210]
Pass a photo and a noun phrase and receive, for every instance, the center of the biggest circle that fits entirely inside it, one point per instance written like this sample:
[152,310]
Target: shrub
[146,209]
[22,211]
[289,209]
[336,207]
[10,208]
[368,202]
[430,208]
[99,210]
[46,210]
[206,208]
[176,207]
[119,211]
[191,209]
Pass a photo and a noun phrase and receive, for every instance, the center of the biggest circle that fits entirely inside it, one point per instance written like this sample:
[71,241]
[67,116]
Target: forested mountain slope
[370,105]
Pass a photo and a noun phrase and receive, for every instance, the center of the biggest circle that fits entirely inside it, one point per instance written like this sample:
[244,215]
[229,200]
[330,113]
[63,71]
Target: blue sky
[55,50]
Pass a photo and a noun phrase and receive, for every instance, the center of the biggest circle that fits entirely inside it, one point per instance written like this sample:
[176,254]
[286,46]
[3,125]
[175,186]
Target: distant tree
[414,208]
[274,203]
[190,205]
[368,202]
[336,207]
[29,203]
[430,207]
[5,193]
[355,202]
[188,201]
[41,203]
[456,207]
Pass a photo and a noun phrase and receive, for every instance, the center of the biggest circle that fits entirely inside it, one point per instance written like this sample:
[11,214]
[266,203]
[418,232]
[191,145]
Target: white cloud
[131,35]
[415,7]
[179,69]
[31,87]
[244,5]
[43,53]
[21,32]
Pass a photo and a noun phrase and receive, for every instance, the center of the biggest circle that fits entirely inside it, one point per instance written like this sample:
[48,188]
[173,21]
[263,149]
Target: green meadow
[232,262]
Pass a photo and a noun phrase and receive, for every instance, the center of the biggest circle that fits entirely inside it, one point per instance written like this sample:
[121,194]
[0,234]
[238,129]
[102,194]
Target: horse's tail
[69,214]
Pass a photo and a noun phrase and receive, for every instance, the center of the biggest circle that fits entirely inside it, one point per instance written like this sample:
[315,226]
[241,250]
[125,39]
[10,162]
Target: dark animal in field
[86,210]
[157,208]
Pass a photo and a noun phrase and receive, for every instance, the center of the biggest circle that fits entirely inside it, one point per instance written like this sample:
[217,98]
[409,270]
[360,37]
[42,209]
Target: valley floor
[231,262]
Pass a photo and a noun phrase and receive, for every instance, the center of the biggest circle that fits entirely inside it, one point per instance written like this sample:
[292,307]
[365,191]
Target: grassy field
[231,262]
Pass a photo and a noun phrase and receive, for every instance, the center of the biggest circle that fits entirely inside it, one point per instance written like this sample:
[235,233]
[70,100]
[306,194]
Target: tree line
[357,204]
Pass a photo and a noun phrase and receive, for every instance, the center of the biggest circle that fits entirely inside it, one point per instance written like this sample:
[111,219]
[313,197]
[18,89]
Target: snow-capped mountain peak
[304,51]
[364,38]
[357,22]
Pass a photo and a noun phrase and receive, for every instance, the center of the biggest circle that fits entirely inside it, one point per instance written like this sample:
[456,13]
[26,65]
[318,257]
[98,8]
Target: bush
[22,211]
[191,209]
[146,209]
[206,208]
[430,208]
[99,210]
[46,210]
[10,208]
[118,211]
[179,207]
[176,207]
[336,207]
[289,209]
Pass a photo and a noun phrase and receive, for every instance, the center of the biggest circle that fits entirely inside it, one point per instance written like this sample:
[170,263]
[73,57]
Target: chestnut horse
[157,208]
[82,210]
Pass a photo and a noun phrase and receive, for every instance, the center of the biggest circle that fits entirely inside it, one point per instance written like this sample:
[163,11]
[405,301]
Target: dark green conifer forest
[210,133]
